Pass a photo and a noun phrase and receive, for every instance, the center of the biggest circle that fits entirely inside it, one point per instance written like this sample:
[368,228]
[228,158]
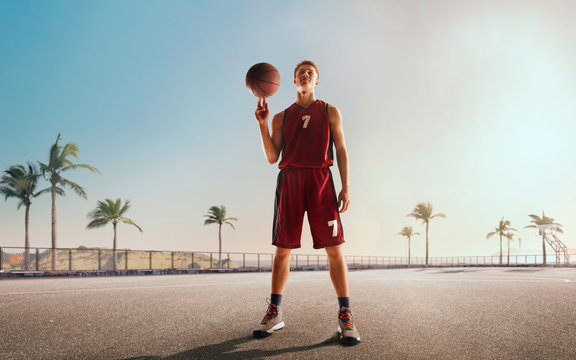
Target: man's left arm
[335,119]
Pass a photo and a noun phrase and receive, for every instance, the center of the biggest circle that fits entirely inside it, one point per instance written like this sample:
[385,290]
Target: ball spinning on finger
[263,80]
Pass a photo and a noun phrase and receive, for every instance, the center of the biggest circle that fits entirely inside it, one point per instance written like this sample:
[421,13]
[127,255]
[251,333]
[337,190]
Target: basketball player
[304,135]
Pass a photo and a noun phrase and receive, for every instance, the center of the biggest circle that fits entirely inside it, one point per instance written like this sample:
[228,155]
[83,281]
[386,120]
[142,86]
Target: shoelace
[272,312]
[346,317]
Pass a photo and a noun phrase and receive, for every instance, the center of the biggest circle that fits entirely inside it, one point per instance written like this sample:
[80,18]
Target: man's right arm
[271,141]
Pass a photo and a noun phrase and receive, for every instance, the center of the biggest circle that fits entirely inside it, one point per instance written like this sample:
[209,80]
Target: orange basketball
[263,80]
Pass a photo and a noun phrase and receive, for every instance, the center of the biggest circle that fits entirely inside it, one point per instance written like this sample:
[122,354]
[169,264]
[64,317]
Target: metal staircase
[549,233]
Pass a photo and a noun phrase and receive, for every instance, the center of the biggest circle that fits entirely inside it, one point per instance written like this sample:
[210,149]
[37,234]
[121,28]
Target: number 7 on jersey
[306,119]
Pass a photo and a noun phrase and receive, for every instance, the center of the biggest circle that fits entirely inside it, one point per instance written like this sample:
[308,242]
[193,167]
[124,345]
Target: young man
[304,134]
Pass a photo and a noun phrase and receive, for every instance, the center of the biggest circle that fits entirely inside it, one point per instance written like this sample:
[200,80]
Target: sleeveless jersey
[307,140]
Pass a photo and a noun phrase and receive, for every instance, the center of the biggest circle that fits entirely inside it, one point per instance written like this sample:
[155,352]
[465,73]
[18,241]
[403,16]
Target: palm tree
[544,220]
[423,212]
[59,162]
[501,229]
[217,215]
[408,232]
[20,182]
[510,237]
[108,211]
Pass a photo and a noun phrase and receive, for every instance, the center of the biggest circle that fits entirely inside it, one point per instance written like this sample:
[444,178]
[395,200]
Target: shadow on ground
[455,271]
[530,270]
[226,350]
[446,271]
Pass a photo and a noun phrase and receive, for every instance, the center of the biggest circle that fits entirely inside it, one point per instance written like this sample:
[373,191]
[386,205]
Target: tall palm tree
[59,162]
[217,215]
[408,232]
[109,211]
[20,182]
[544,220]
[423,212]
[501,230]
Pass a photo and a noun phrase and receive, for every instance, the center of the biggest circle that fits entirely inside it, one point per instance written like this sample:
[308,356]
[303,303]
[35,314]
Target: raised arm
[271,141]
[335,119]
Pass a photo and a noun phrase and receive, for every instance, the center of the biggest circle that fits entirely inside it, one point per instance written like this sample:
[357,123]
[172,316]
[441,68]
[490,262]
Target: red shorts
[309,190]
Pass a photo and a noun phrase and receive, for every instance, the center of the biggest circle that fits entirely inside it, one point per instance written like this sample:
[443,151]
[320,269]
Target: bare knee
[334,252]
[282,253]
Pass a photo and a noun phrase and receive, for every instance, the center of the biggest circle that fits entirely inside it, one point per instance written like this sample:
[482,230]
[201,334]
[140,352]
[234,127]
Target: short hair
[307,62]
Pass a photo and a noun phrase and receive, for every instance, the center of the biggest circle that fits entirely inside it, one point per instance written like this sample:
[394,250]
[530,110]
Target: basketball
[263,80]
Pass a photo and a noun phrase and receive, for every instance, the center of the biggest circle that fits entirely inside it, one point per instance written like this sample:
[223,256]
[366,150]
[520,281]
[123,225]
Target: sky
[468,105]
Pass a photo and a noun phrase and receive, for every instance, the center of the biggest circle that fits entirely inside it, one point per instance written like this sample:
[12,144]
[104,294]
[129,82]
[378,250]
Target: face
[306,76]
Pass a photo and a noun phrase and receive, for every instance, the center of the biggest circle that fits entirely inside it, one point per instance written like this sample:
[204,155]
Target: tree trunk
[54,244]
[219,246]
[426,244]
[544,247]
[408,251]
[508,252]
[500,249]
[26,239]
[114,262]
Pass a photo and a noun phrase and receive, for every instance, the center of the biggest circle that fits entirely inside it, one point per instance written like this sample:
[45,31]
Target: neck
[305,98]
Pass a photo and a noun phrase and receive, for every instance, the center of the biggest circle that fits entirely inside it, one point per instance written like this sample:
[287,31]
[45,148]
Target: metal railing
[81,259]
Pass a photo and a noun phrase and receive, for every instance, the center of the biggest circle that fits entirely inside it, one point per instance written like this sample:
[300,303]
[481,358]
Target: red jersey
[307,140]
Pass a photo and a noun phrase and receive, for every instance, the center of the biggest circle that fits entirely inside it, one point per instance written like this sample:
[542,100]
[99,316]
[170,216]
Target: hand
[343,201]
[262,112]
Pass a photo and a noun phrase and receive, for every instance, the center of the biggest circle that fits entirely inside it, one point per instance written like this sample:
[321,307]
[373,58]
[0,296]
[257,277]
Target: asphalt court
[433,313]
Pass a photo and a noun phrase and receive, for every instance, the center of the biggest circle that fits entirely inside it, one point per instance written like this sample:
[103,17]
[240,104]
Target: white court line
[120,288]
[140,287]
[474,280]
[539,280]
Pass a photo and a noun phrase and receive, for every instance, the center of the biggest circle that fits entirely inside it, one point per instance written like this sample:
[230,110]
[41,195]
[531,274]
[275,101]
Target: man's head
[306,62]
[306,70]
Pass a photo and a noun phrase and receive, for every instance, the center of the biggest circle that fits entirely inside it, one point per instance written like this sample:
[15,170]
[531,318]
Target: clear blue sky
[468,105]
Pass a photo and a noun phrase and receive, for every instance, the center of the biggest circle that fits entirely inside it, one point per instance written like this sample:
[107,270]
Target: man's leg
[273,319]
[280,270]
[339,274]
[338,270]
